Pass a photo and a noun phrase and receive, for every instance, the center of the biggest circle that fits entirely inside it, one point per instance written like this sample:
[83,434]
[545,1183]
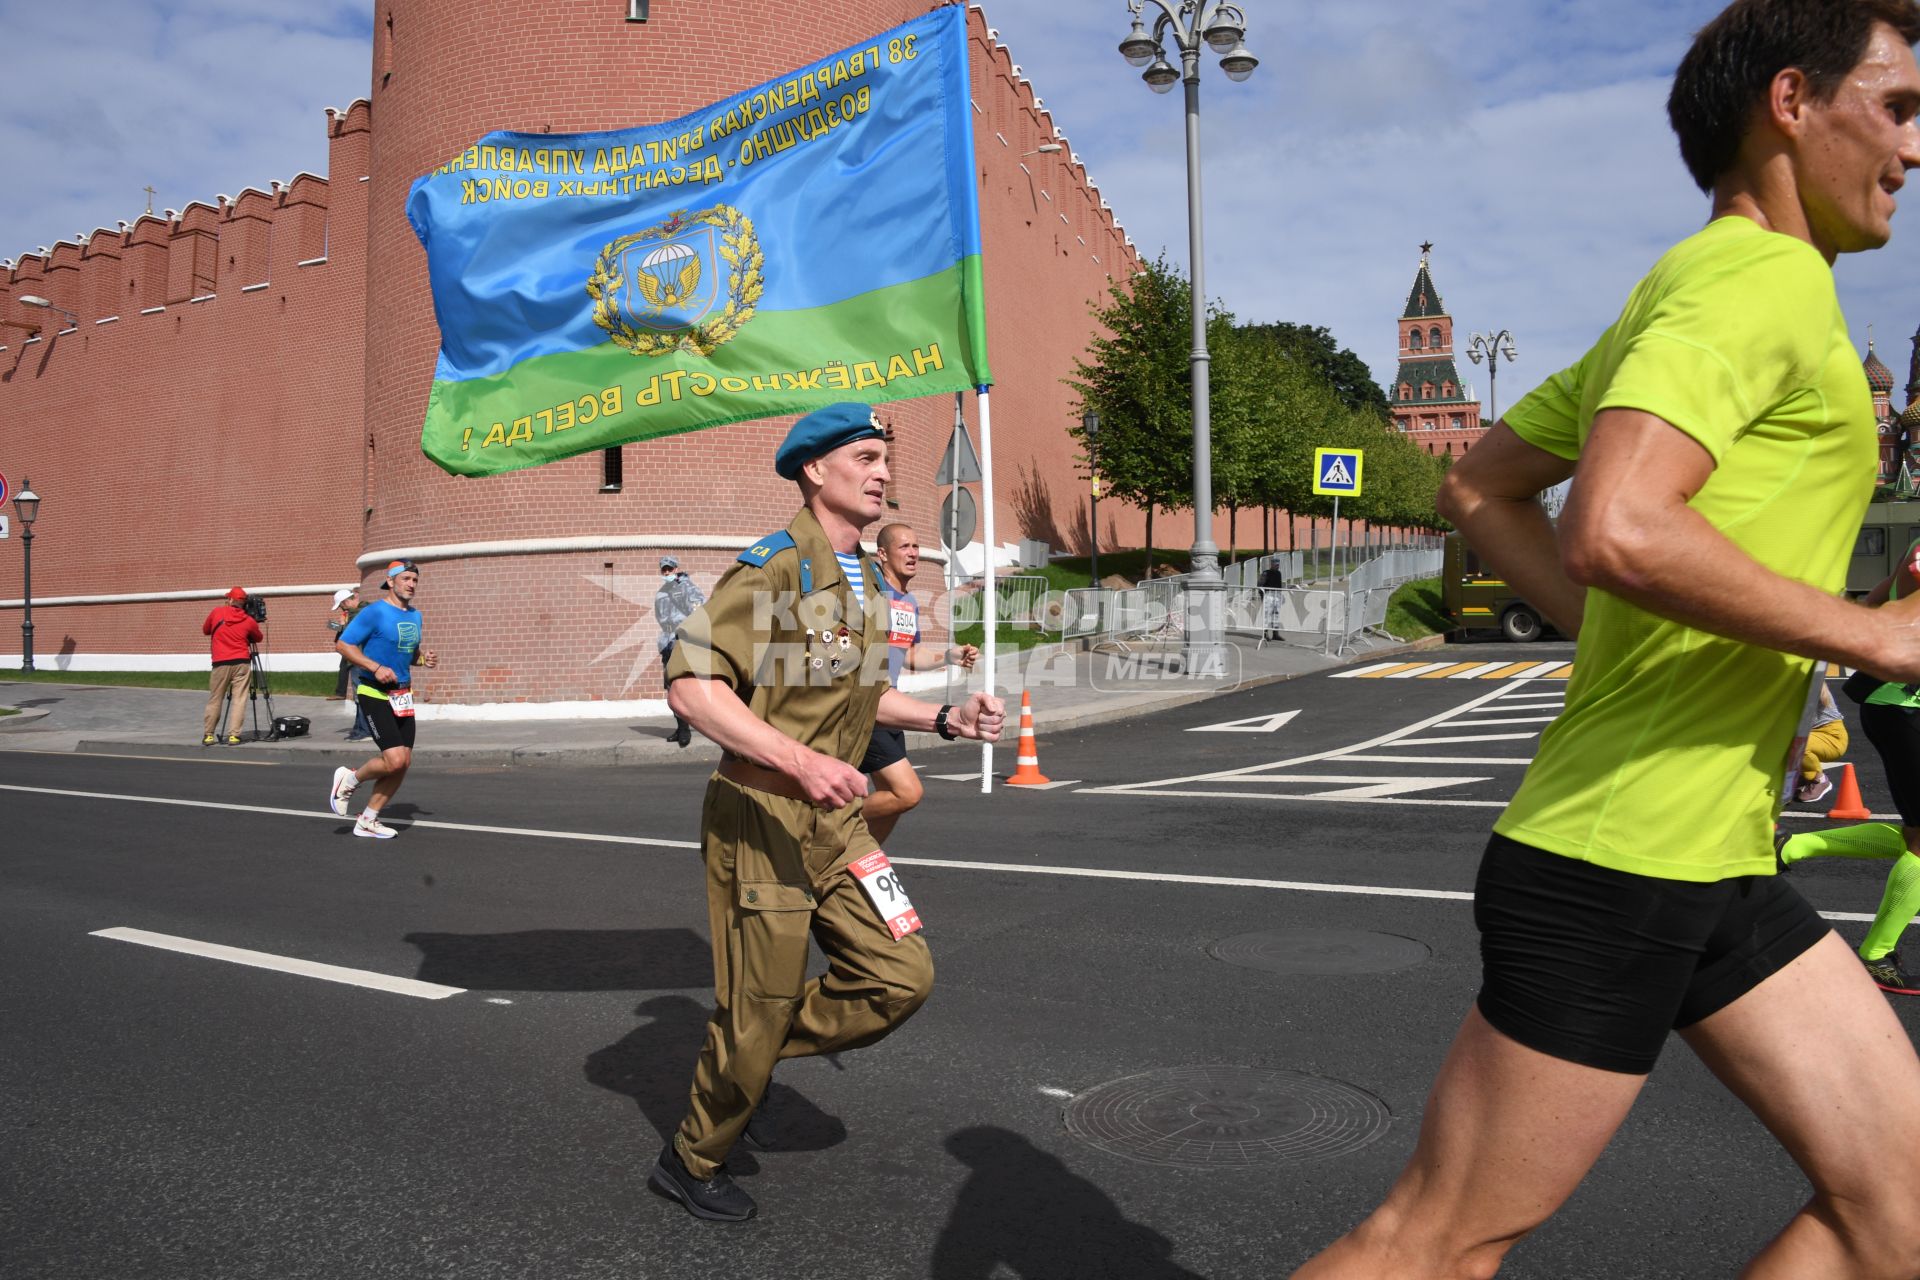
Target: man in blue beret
[786,668]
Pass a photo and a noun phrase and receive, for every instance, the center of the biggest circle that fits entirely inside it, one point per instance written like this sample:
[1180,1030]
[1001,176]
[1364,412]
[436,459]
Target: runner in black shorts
[896,787]
[1725,443]
[382,643]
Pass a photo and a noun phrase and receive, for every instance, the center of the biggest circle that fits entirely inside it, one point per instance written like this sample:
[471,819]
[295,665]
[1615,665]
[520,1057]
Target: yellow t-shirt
[1669,757]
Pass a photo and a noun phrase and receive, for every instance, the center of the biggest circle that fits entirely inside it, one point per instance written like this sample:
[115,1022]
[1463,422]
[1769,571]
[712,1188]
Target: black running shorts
[389,730]
[1895,735]
[889,746]
[1595,966]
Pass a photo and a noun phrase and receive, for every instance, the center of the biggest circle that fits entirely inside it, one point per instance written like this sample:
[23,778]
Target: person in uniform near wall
[896,787]
[785,667]
[382,642]
[673,604]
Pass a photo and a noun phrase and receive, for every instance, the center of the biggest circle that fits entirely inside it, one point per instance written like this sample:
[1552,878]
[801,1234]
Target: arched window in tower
[1446,390]
[1413,339]
[1406,391]
[1433,337]
[1426,391]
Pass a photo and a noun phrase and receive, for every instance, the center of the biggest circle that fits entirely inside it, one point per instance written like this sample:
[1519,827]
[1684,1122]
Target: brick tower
[1880,380]
[1427,398]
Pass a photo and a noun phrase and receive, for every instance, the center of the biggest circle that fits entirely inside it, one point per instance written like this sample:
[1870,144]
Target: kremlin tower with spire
[1428,400]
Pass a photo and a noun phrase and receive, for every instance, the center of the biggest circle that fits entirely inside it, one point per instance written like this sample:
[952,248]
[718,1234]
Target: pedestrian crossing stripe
[1555,670]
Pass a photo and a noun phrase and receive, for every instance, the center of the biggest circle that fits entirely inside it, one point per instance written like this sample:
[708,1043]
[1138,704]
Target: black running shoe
[1781,867]
[1889,976]
[718,1199]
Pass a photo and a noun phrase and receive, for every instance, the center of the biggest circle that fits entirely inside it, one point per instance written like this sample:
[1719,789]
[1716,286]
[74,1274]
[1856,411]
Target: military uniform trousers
[777,876]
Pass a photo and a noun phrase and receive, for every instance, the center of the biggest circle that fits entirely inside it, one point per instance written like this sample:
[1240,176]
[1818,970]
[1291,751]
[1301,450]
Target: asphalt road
[166,1114]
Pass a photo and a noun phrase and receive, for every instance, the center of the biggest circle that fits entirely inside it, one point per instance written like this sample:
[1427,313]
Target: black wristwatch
[940,724]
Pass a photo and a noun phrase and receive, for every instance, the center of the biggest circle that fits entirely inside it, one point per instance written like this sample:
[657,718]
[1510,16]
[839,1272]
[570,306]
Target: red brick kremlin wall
[199,426]
[269,436]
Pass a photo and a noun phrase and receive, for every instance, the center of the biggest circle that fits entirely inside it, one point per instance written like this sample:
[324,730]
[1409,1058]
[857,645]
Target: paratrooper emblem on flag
[657,291]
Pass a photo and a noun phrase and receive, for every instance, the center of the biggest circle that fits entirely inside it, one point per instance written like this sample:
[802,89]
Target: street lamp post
[1091,421]
[26,505]
[1490,347]
[1222,27]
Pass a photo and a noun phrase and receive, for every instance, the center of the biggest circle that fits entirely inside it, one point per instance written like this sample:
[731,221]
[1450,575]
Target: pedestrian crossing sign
[1337,472]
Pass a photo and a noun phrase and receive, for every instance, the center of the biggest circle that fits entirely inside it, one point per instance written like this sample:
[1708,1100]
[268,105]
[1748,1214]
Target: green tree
[1315,347]
[1137,376]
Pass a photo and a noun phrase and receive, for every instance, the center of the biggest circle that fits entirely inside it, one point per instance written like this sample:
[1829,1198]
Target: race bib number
[882,884]
[903,624]
[402,700]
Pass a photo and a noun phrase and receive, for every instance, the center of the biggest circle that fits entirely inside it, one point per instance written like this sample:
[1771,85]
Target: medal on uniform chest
[814,660]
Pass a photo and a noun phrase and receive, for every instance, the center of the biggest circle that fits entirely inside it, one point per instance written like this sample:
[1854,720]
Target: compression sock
[1867,840]
[1898,905]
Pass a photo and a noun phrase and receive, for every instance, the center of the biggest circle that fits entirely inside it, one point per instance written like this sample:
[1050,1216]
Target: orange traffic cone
[1027,765]
[1847,808]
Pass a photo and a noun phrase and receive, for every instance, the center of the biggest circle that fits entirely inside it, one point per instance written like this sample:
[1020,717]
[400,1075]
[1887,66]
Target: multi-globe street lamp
[1221,27]
[26,505]
[1490,347]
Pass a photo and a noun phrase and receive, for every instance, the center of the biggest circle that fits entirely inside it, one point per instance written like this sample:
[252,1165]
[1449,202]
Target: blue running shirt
[387,634]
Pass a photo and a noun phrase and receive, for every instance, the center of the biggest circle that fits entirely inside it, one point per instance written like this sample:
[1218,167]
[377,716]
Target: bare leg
[1822,1061]
[1508,1134]
[386,771]
[896,789]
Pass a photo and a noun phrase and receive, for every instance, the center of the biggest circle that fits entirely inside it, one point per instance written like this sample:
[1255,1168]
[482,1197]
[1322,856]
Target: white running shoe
[344,782]
[373,829]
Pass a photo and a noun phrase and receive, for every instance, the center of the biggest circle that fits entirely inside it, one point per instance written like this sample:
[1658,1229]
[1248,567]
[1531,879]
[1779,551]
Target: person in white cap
[346,603]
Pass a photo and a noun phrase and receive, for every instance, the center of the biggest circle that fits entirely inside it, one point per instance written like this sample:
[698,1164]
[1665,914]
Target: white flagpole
[991,609]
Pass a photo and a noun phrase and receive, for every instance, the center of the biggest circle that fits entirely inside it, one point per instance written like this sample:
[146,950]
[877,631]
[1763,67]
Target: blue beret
[821,432]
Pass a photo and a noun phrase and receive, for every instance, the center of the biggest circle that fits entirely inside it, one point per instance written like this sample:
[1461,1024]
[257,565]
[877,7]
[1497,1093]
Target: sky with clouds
[1529,142]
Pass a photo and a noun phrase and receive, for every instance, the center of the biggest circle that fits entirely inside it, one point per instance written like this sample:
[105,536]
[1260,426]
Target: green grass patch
[9,711]
[300,683]
[1416,610]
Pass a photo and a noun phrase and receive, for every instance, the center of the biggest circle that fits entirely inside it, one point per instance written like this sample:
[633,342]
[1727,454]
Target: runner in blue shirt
[896,787]
[382,642]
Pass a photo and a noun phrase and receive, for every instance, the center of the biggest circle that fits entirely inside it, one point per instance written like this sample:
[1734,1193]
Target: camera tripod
[260,689]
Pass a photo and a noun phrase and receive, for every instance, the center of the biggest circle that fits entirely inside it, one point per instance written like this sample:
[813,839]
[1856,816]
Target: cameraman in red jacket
[234,635]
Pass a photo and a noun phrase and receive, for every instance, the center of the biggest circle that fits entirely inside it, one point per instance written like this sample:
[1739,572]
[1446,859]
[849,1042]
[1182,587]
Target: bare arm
[1491,496]
[354,654]
[928,657]
[980,716]
[712,707]
[1628,530]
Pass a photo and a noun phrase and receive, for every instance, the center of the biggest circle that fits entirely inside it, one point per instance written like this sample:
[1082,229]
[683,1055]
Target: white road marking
[114,755]
[1052,1092]
[1361,671]
[429,990]
[1472,737]
[1252,724]
[1047,786]
[1477,721]
[1415,672]
[1372,759]
[1474,673]
[401,823]
[283,964]
[1148,789]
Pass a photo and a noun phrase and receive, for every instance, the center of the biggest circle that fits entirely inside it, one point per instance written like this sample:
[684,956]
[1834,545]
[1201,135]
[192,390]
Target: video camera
[255,607]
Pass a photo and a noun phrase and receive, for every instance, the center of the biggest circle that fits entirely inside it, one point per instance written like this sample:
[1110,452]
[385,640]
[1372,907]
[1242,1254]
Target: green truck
[1475,599]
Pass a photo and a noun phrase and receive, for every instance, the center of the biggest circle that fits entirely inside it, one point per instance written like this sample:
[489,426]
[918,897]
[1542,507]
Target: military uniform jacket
[783,631]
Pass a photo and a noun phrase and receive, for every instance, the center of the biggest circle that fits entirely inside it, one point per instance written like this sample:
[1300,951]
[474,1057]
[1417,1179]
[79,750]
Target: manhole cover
[1209,1116]
[1320,951]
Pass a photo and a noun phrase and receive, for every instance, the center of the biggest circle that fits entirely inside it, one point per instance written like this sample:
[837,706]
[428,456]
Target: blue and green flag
[810,240]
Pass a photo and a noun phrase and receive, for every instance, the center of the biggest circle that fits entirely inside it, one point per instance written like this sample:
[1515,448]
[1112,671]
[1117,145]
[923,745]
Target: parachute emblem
[660,290]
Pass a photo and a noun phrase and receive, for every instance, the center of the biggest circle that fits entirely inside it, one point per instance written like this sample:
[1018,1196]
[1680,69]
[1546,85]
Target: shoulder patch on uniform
[768,547]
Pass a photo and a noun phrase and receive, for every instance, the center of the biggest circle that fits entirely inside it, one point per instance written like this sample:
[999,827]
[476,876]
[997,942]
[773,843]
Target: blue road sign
[1337,471]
